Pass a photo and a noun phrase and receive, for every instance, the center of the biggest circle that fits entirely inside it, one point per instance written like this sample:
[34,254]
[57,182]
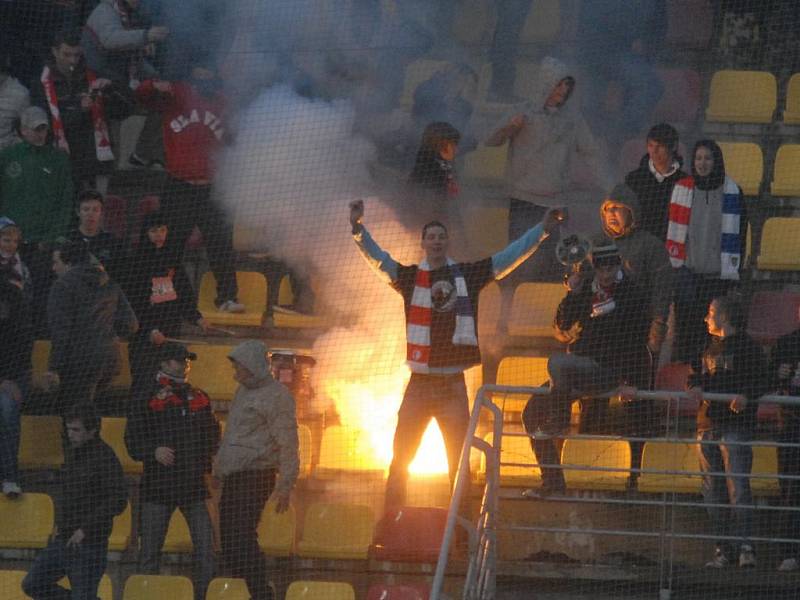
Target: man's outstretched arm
[380,260]
[513,255]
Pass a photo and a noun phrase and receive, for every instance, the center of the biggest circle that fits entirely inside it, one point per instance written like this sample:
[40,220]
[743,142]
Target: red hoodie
[192,126]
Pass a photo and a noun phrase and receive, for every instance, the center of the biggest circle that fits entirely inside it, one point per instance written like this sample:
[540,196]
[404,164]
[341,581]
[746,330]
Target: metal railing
[480,580]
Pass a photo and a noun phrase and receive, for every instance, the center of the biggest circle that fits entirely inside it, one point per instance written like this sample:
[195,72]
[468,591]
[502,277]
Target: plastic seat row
[750,97]
[41,444]
[518,466]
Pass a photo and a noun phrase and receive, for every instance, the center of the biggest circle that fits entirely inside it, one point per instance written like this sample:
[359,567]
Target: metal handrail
[481,569]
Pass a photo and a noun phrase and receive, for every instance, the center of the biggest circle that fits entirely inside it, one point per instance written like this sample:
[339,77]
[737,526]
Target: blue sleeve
[510,257]
[380,260]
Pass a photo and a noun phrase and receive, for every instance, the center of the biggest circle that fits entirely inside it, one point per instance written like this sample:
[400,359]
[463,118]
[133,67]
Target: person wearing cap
[611,343]
[87,314]
[644,259]
[258,460]
[440,298]
[161,295]
[16,331]
[14,98]
[193,123]
[653,180]
[173,431]
[36,189]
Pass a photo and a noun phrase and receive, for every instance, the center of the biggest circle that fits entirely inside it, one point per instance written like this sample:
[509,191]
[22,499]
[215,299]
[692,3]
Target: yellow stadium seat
[26,522]
[178,538]
[791,115]
[473,379]
[120,531]
[486,227]
[744,162]
[530,371]
[304,437]
[123,378]
[224,588]
[515,449]
[666,456]
[212,371]
[339,451]
[40,444]
[471,24]
[780,245]
[285,292]
[765,462]
[486,163]
[488,309]
[112,432]
[336,531]
[276,531]
[40,356]
[320,590]
[158,587]
[596,453]
[419,72]
[252,293]
[105,590]
[742,97]
[292,320]
[11,585]
[534,308]
[786,177]
[543,22]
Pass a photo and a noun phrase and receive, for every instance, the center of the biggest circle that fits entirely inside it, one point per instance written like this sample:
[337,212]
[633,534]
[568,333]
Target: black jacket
[86,311]
[94,491]
[730,365]
[177,416]
[107,249]
[617,340]
[654,197]
[16,329]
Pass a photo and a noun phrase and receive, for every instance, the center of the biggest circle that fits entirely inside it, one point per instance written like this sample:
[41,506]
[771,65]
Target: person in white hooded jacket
[258,458]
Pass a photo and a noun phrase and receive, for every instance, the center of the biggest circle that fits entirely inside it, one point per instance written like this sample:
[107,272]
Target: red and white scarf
[102,142]
[418,329]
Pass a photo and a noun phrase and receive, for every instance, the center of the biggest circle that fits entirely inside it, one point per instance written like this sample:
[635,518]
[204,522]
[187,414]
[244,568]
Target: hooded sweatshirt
[645,260]
[542,150]
[262,427]
[86,312]
[13,100]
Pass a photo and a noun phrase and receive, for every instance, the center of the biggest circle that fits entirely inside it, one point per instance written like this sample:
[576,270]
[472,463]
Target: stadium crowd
[669,239]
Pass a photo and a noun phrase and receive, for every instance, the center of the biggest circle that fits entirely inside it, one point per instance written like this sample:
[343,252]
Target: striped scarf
[102,141]
[680,211]
[418,329]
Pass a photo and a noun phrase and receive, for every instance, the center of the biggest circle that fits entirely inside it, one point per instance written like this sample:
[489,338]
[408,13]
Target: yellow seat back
[543,22]
[608,454]
[533,309]
[530,371]
[667,456]
[340,451]
[120,531]
[518,463]
[212,372]
[742,97]
[276,531]
[744,162]
[178,538]
[791,115]
[225,588]
[26,522]
[336,531]
[786,177]
[780,244]
[320,590]
[158,587]
[112,432]
[765,462]
[40,444]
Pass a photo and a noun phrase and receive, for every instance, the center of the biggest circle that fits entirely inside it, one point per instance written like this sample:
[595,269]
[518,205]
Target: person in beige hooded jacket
[257,459]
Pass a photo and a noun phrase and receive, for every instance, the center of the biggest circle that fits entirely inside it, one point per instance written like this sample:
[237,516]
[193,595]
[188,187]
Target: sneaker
[137,161]
[788,565]
[11,489]
[231,306]
[720,561]
[747,558]
[157,165]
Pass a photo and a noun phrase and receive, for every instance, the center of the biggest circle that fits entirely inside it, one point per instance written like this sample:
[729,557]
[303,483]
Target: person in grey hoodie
[544,141]
[86,313]
[260,443]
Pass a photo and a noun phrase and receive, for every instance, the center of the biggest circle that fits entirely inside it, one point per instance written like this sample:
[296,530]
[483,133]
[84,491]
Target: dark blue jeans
[9,437]
[735,491]
[84,565]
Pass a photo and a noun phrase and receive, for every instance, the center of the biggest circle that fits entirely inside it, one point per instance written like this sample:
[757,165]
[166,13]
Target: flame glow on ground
[368,411]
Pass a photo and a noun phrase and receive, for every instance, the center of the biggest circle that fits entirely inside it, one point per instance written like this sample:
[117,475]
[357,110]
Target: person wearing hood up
[644,258]
[705,237]
[161,295]
[654,178]
[544,142]
[258,460]
[86,313]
